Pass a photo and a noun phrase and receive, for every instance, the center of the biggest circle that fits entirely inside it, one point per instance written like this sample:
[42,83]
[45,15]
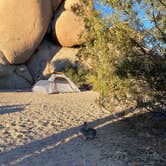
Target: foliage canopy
[128,58]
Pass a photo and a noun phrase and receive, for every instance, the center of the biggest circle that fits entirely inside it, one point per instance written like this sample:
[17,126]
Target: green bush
[78,74]
[123,70]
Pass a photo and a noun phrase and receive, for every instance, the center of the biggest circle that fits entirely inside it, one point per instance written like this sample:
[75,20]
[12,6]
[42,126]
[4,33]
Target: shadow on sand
[15,90]
[137,140]
[11,109]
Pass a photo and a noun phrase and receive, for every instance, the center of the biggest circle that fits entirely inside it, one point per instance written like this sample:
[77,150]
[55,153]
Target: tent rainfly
[57,83]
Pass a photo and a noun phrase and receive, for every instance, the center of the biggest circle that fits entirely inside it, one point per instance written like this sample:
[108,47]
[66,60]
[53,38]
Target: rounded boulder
[69,29]
[23,25]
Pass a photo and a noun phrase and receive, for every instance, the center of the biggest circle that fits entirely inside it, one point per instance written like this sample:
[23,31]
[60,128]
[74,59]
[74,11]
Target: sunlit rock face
[23,25]
[69,29]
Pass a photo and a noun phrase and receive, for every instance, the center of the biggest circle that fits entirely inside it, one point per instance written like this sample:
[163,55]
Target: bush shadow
[135,140]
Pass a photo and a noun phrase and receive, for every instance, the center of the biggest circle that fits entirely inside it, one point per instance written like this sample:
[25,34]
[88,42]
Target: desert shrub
[78,74]
[124,71]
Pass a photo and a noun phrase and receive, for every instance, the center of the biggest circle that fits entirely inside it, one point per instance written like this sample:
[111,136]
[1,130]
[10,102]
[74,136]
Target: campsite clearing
[41,129]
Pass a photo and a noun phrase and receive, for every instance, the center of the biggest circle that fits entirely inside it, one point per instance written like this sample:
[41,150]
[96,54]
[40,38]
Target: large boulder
[51,28]
[22,71]
[22,27]
[68,29]
[50,58]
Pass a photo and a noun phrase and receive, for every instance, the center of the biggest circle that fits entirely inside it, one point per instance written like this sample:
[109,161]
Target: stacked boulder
[69,27]
[26,54]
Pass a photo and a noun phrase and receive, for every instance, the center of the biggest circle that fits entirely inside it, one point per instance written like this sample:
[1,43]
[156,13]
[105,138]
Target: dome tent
[57,83]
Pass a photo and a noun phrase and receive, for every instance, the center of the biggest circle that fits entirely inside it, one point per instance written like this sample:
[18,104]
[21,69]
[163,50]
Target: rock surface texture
[23,25]
[69,29]
[63,58]
[14,81]
[41,58]
[26,52]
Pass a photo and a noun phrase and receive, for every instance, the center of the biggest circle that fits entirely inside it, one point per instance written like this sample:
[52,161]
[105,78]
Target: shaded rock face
[50,58]
[12,76]
[51,32]
[14,81]
[43,55]
[55,4]
[63,58]
[5,67]
[22,71]
[67,27]
[22,27]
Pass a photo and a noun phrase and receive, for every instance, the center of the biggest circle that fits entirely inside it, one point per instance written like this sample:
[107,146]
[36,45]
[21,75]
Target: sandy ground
[39,129]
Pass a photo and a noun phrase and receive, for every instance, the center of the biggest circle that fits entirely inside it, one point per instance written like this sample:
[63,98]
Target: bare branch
[156,24]
[164,4]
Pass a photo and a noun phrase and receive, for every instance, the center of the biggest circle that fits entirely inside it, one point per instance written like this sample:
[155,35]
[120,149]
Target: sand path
[39,129]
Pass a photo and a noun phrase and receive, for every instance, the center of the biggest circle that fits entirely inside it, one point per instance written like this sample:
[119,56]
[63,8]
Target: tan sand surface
[38,129]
